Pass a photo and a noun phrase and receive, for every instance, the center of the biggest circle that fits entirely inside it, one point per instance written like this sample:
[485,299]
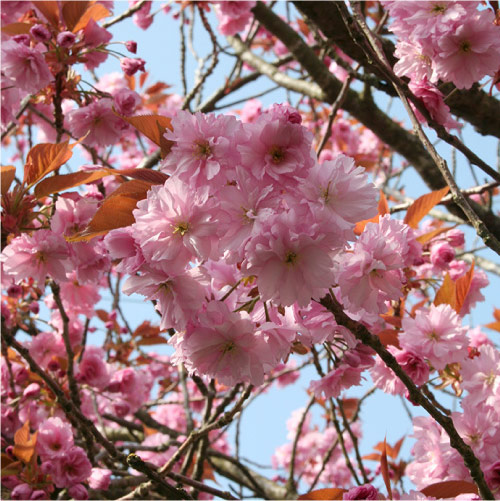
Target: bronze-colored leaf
[422,205]
[50,10]
[73,11]
[8,173]
[329,493]
[16,28]
[24,443]
[56,184]
[463,287]
[45,158]
[384,469]
[449,489]
[95,12]
[447,293]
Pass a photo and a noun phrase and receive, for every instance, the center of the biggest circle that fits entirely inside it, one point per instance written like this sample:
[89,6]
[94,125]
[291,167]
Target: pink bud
[131,46]
[34,308]
[442,254]
[40,33]
[66,39]
[31,390]
[22,39]
[132,66]
[456,237]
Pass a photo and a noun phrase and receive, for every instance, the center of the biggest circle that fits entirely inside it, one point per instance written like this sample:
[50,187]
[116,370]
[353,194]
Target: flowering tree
[270,241]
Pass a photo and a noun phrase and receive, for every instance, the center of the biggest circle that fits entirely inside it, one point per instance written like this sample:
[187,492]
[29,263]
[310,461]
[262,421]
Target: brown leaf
[426,237]
[447,293]
[149,175]
[383,208]
[331,493]
[146,330]
[115,212]
[495,326]
[73,11]
[50,10]
[17,28]
[389,337]
[96,12]
[157,87]
[153,127]
[463,287]
[45,158]
[422,205]
[56,184]
[24,443]
[152,340]
[384,469]
[449,489]
[8,173]
[136,189]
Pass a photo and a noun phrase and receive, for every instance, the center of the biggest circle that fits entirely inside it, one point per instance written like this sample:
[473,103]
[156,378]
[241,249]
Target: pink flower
[470,51]
[223,345]
[121,244]
[372,273]
[366,491]
[94,37]
[79,298]
[126,101]
[277,150]
[291,257]
[233,16]
[433,100]
[176,224]
[336,381]
[205,148]
[132,66]
[40,33]
[44,346]
[178,296]
[71,468]
[41,254]
[25,66]
[54,438]
[142,17]
[436,334]
[66,39]
[93,370]
[414,61]
[78,491]
[99,478]
[342,190]
[131,46]
[98,119]
[442,253]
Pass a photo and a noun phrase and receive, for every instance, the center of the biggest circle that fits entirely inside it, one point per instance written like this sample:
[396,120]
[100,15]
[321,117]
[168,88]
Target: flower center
[433,335]
[465,46]
[41,257]
[203,149]
[277,154]
[490,379]
[438,8]
[228,347]
[290,257]
[325,193]
[181,229]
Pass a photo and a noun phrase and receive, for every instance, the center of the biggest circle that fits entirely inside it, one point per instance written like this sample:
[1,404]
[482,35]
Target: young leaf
[115,212]
[95,12]
[45,158]
[422,205]
[449,489]
[383,208]
[153,127]
[16,28]
[389,337]
[56,184]
[426,237]
[24,443]
[463,287]
[50,10]
[384,468]
[332,493]
[495,325]
[8,173]
[447,293]
[73,11]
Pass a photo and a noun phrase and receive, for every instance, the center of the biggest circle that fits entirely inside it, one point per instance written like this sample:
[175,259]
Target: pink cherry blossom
[233,16]
[71,468]
[55,437]
[337,380]
[93,369]
[25,66]
[436,334]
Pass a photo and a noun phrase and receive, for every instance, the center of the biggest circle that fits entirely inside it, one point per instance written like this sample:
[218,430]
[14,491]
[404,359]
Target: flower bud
[40,33]
[131,46]
[66,39]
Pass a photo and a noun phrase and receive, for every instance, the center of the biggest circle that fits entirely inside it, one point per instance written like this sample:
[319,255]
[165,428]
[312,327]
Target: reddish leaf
[8,173]
[45,158]
[449,489]
[447,293]
[73,11]
[384,469]
[143,77]
[115,212]
[50,10]
[494,326]
[422,205]
[463,287]
[96,12]
[24,443]
[17,28]
[152,340]
[350,406]
[146,330]
[392,320]
[496,314]
[136,189]
[157,87]
[56,184]
[397,447]
[149,175]
[426,237]
[389,337]
[103,315]
[383,208]
[332,493]
[153,127]
[372,457]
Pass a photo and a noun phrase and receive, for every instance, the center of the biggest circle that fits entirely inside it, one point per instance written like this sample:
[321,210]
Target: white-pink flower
[55,437]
